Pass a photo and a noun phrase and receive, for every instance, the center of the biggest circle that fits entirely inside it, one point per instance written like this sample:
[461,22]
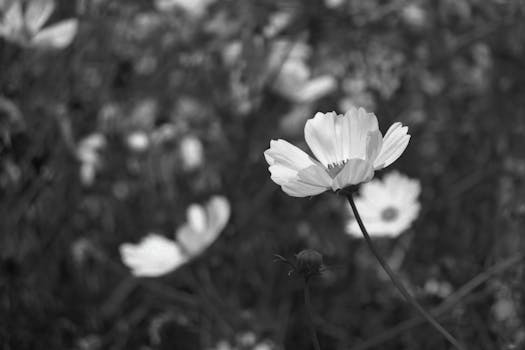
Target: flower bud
[309,262]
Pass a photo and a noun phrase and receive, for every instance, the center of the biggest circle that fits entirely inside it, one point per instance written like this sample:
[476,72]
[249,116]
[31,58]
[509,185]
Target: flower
[387,207]
[156,255]
[204,224]
[348,148]
[24,25]
[294,80]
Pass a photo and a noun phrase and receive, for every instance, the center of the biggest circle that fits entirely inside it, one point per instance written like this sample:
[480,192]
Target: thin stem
[308,305]
[397,282]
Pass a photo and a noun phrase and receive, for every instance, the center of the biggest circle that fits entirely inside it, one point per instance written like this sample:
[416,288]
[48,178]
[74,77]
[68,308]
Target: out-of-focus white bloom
[192,153]
[195,8]
[204,224]
[138,141]
[88,153]
[153,256]
[156,255]
[23,25]
[414,15]
[348,148]
[387,207]
[277,22]
[294,80]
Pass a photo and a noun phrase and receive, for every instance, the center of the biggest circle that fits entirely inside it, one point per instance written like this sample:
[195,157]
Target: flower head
[156,255]
[24,25]
[348,148]
[387,207]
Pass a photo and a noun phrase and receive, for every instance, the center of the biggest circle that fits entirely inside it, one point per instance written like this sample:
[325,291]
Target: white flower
[23,25]
[204,224]
[138,141]
[153,256]
[156,255]
[192,152]
[294,80]
[387,207]
[348,148]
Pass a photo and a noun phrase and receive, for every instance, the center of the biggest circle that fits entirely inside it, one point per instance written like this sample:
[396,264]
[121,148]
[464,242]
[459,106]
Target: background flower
[388,206]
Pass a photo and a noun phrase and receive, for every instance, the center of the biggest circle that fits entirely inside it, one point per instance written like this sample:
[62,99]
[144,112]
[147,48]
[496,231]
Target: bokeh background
[176,103]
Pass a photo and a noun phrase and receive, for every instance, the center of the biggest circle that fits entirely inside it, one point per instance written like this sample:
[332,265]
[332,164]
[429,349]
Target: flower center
[334,168]
[389,214]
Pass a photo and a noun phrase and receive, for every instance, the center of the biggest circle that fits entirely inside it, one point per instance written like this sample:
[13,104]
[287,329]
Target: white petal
[284,153]
[314,89]
[217,213]
[153,256]
[12,21]
[321,136]
[297,173]
[301,184]
[354,172]
[196,217]
[394,143]
[56,36]
[37,13]
[363,129]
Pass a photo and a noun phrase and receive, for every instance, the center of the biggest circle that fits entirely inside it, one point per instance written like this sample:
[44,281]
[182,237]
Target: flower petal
[218,213]
[196,218]
[297,173]
[37,13]
[361,125]
[11,21]
[394,143]
[56,36]
[321,136]
[354,172]
[153,256]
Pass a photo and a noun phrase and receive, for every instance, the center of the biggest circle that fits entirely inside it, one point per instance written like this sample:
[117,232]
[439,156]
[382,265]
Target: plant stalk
[396,280]
[308,306]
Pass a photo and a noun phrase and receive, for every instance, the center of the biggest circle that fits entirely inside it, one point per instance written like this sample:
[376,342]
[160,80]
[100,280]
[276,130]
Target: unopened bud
[309,262]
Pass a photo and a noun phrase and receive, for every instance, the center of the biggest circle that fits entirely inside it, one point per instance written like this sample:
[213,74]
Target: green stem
[308,305]
[397,282]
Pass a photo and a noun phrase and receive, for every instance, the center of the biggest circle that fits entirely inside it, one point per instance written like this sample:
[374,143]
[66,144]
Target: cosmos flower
[24,24]
[348,148]
[388,206]
[157,255]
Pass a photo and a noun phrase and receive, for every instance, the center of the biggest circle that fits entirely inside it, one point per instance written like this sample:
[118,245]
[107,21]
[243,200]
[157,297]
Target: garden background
[158,83]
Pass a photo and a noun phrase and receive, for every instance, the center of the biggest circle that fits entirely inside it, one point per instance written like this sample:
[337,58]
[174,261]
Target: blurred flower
[387,207]
[88,153]
[192,153]
[153,256]
[294,80]
[277,22]
[137,141]
[349,148]
[195,8]
[156,255]
[204,224]
[23,25]
[414,15]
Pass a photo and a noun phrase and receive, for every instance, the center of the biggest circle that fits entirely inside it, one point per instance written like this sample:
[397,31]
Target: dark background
[455,75]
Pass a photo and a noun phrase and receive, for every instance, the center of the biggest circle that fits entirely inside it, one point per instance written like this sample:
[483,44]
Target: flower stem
[308,306]
[397,282]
